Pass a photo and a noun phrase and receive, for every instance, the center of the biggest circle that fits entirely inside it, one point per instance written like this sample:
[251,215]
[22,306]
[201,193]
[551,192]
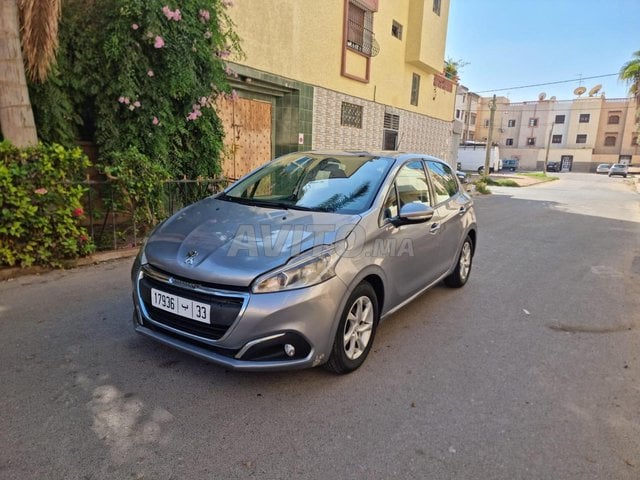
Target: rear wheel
[460,274]
[356,330]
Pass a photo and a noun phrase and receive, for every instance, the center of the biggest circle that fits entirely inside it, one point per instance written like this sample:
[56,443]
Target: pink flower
[136,104]
[172,15]
[194,115]
[150,73]
[135,26]
[234,95]
[204,15]
[159,42]
[155,121]
[83,238]
[121,99]
[41,191]
[78,212]
[126,100]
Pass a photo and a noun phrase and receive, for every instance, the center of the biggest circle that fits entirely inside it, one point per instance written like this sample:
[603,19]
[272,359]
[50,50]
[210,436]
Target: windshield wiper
[254,202]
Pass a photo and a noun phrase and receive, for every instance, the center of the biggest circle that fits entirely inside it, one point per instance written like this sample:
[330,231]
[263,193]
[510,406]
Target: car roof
[373,153]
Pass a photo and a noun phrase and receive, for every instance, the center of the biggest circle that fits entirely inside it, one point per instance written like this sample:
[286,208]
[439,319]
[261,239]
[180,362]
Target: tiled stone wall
[417,133]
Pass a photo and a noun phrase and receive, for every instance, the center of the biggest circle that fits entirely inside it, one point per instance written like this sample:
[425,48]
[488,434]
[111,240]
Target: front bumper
[305,319]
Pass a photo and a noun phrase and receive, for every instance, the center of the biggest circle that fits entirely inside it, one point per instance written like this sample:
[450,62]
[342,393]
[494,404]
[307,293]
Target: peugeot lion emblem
[191,256]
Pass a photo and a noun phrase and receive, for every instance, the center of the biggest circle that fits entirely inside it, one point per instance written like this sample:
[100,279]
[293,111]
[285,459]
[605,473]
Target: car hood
[229,243]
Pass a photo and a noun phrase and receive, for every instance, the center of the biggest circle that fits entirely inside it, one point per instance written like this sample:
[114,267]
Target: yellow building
[340,74]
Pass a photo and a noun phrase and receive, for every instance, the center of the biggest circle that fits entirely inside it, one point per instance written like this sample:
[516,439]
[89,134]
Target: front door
[408,253]
[247,140]
[566,163]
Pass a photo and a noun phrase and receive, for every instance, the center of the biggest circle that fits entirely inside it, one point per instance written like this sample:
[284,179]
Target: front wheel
[356,330]
[460,274]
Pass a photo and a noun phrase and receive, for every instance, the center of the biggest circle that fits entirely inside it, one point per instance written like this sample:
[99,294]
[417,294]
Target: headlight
[305,270]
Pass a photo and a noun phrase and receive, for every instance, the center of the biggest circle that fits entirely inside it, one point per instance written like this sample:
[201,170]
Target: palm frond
[40,19]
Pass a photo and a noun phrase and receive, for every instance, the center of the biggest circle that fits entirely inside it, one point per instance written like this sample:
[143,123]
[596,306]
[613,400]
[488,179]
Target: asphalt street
[531,371]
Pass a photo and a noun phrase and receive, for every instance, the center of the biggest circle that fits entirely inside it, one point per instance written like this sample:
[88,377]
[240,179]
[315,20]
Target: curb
[101,257]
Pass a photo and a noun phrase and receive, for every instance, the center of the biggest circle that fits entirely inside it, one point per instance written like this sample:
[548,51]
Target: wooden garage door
[247,126]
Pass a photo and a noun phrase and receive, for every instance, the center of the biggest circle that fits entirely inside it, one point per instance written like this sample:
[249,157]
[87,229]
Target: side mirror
[415,213]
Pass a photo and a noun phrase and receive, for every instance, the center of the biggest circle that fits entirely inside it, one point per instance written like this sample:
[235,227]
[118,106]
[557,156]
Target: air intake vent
[391,122]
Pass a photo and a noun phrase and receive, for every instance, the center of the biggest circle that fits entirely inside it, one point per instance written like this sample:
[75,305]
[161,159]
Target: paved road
[532,371]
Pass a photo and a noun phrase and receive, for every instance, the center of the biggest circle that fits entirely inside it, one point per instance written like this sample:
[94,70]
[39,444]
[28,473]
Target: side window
[412,185]
[444,182]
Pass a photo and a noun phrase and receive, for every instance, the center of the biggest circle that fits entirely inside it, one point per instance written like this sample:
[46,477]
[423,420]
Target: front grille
[224,309]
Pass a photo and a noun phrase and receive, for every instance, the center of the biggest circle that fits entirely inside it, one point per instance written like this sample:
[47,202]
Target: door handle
[462,210]
[435,227]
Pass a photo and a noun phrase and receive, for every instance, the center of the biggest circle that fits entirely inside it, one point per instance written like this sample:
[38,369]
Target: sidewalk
[100,257]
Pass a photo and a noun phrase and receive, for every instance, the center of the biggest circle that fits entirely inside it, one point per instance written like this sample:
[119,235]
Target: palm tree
[38,21]
[630,72]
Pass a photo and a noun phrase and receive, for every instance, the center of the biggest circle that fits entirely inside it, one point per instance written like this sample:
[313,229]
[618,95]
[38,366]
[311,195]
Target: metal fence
[110,220]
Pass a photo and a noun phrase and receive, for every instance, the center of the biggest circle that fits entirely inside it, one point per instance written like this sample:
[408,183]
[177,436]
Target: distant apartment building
[579,133]
[343,74]
[466,113]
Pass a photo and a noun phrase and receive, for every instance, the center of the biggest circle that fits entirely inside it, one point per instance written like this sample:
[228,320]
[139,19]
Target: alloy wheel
[358,327]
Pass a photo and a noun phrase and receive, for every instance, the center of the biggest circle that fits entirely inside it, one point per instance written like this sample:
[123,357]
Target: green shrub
[40,207]
[502,182]
[481,187]
[137,185]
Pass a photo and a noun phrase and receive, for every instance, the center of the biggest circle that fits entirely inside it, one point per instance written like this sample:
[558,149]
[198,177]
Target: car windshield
[319,182]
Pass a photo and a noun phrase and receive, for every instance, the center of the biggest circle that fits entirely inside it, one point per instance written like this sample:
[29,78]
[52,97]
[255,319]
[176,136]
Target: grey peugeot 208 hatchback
[296,263]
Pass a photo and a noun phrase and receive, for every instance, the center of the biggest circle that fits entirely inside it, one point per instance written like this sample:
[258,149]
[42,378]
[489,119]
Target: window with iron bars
[351,115]
[360,29]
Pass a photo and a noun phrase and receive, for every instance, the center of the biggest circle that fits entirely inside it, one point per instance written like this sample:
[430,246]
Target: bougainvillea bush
[165,65]
[140,78]
[143,75]
[40,205]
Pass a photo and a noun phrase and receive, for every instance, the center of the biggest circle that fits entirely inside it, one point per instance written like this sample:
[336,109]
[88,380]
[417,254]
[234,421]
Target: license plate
[180,306]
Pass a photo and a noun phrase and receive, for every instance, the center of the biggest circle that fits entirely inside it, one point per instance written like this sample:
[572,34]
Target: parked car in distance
[296,263]
[618,169]
[603,168]
[510,164]
[554,166]
[462,176]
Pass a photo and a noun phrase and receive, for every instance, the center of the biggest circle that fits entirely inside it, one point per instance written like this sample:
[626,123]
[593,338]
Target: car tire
[356,331]
[460,274]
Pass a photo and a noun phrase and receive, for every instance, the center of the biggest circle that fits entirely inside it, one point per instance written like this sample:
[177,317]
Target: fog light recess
[289,349]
